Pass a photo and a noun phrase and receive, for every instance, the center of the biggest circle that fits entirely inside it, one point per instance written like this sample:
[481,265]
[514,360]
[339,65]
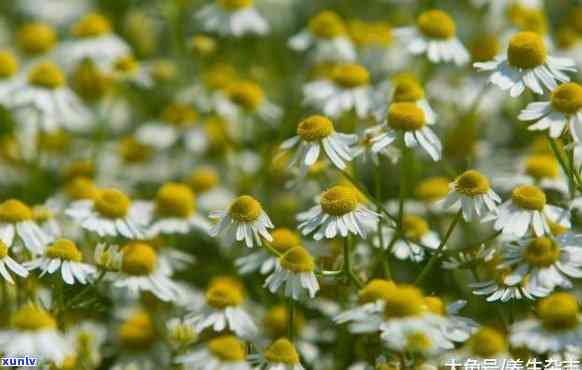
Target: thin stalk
[349,274]
[290,328]
[384,256]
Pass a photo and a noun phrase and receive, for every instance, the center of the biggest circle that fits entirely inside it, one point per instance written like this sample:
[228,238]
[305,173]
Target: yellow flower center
[203,179]
[436,305]
[405,116]
[405,301]
[219,76]
[370,33]
[90,82]
[436,24]
[41,214]
[417,342]
[282,351]
[138,258]
[126,64]
[227,348]
[36,38]
[414,227]
[542,252]
[432,189]
[92,25]
[81,188]
[137,332]
[327,25]
[541,166]
[315,128]
[407,89]
[3,250]
[179,115]
[8,64]
[134,152]
[339,200]
[14,211]
[556,229]
[47,75]
[350,76]
[375,290]
[529,197]
[245,209]
[484,48]
[277,319]
[567,98]
[225,292]
[297,259]
[559,311]
[64,249]
[487,343]
[32,318]
[246,94]
[175,200]
[112,203]
[284,239]
[472,183]
[80,168]
[233,5]
[533,20]
[526,50]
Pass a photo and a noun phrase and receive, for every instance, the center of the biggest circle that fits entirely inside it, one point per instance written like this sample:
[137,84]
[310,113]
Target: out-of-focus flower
[295,272]
[233,18]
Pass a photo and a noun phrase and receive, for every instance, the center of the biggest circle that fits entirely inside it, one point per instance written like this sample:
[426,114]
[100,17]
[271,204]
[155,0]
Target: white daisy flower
[472,190]
[232,18]
[295,271]
[279,355]
[558,326]
[63,254]
[315,133]
[410,121]
[8,263]
[17,224]
[432,193]
[326,39]
[211,194]
[412,242]
[110,213]
[9,77]
[225,298]
[180,333]
[128,69]
[484,345]
[221,353]
[362,150]
[468,257]
[244,220]
[563,111]
[339,212]
[59,12]
[527,65]
[435,36]
[348,89]
[413,336]
[108,257]
[247,101]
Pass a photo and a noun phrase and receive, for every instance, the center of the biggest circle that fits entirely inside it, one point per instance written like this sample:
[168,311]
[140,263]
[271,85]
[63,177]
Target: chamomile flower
[433,192]
[263,261]
[17,224]
[563,111]
[527,65]
[347,90]
[404,88]
[415,337]
[416,239]
[315,133]
[409,121]
[362,150]
[472,190]
[36,38]
[108,257]
[279,355]
[224,309]
[232,18]
[211,193]
[295,271]
[435,36]
[176,120]
[180,333]
[325,38]
[558,325]
[247,100]
[486,343]
[63,254]
[9,77]
[245,221]
[110,213]
[339,212]
[128,69]
[221,353]
[8,263]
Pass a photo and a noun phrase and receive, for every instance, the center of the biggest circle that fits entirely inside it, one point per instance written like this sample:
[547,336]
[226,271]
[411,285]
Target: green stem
[85,290]
[385,257]
[290,328]
[349,274]
[563,164]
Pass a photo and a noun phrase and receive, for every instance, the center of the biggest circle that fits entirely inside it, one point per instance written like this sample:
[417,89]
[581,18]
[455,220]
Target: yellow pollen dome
[542,252]
[414,227]
[282,351]
[542,166]
[432,189]
[91,25]
[132,151]
[556,229]
[126,64]
[3,250]
[175,200]
[533,20]
[32,318]
[138,258]
[406,116]
[407,89]
[405,301]
[350,76]
[225,292]
[64,249]
[8,64]
[81,188]
[370,33]
[14,211]
[436,305]
[314,128]
[284,239]
[233,5]
[559,311]
[487,343]
[417,342]
[375,290]
[526,50]
[227,348]
[47,75]
[137,332]
[472,183]
[246,94]
[484,48]
[36,38]
[297,259]
[327,25]
[90,82]
[178,114]
[529,197]
[436,24]
[567,98]
[112,203]
[339,200]
[245,209]
[203,179]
